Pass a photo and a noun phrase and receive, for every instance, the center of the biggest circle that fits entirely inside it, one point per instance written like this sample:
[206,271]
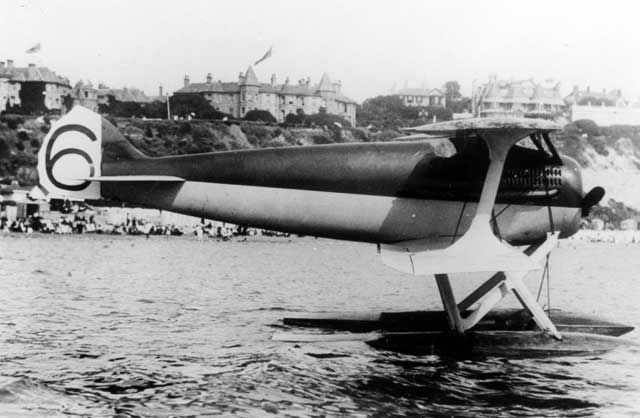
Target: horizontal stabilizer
[136,178]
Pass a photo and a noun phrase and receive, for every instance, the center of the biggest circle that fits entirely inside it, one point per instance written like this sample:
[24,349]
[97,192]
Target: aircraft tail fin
[73,152]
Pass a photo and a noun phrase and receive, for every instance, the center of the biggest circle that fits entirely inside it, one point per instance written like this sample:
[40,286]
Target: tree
[184,105]
[67,102]
[588,127]
[386,112]
[260,115]
[452,91]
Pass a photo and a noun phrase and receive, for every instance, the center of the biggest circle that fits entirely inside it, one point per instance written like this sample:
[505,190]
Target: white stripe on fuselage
[357,217]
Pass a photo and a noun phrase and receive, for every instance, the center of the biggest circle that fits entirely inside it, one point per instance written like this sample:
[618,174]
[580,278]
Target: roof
[325,83]
[576,96]
[215,87]
[345,99]
[523,91]
[250,78]
[419,92]
[126,95]
[33,74]
[300,89]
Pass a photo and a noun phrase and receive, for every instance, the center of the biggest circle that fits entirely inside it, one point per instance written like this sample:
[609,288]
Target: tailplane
[73,151]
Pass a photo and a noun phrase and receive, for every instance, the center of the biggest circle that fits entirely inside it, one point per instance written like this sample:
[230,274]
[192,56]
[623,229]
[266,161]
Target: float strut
[449,303]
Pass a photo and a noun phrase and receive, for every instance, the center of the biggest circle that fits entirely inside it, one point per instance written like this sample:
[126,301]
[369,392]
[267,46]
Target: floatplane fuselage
[426,200]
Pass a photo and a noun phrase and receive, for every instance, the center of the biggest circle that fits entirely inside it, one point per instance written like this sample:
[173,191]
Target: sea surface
[119,326]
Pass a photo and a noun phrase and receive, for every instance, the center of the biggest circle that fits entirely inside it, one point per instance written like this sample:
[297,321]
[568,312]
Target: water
[173,327]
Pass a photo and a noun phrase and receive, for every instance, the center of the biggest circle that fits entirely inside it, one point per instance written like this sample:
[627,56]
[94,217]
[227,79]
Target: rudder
[73,152]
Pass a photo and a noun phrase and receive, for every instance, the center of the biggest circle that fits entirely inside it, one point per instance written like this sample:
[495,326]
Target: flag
[265,56]
[33,49]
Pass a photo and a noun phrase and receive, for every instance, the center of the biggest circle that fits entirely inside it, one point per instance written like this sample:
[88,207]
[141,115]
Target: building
[608,115]
[34,89]
[9,93]
[415,97]
[86,95]
[248,93]
[125,94]
[588,97]
[523,98]
[16,202]
[605,108]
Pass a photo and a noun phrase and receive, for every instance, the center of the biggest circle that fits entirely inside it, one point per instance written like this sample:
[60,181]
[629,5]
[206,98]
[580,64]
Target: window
[86,94]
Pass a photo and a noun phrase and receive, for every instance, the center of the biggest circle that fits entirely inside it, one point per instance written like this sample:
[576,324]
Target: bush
[260,116]
[35,142]
[360,135]
[23,135]
[588,127]
[184,105]
[5,149]
[321,139]
[184,128]
[13,121]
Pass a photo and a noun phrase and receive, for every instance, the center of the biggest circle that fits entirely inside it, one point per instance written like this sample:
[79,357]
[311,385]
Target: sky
[370,46]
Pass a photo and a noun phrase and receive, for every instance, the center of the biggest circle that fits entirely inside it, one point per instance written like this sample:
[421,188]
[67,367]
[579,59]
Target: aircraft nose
[573,188]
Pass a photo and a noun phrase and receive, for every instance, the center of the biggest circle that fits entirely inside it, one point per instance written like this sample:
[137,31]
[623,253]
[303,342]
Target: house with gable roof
[520,98]
[248,93]
[418,97]
[35,89]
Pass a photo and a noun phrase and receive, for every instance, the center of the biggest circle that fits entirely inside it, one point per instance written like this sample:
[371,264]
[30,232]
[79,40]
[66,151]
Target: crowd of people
[82,223]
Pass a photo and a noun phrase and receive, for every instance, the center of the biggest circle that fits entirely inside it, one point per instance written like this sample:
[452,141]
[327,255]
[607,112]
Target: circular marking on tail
[51,161]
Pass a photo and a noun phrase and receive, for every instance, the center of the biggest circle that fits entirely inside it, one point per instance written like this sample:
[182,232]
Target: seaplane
[489,196]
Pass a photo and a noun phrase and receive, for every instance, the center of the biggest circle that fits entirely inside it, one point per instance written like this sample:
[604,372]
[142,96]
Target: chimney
[186,80]
[308,81]
[273,79]
[209,78]
[240,77]
[286,82]
[1,65]
[32,65]
[588,89]
[337,86]
[9,63]
[160,90]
